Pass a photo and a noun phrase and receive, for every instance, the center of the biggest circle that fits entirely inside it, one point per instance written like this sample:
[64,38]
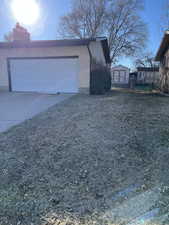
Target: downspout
[90,55]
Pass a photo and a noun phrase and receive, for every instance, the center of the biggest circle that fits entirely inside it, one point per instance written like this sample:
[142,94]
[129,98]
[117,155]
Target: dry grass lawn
[66,165]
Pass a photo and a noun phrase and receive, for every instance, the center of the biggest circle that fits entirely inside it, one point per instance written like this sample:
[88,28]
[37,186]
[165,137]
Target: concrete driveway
[18,107]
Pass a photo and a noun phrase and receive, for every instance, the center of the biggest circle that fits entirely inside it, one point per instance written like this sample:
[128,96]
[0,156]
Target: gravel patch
[70,161]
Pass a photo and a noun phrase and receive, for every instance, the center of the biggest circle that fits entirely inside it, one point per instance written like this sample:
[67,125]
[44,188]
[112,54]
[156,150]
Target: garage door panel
[44,75]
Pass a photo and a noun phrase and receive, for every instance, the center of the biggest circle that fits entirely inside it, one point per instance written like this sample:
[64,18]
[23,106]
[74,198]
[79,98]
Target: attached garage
[50,66]
[45,75]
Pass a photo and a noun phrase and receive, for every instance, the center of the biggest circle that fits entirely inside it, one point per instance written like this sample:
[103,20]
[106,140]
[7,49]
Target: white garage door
[45,75]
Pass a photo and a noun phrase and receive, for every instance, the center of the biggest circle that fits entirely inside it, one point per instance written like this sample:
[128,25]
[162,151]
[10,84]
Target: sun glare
[25,11]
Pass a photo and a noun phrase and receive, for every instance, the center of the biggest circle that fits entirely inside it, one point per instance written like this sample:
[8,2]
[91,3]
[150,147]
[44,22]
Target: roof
[119,66]
[45,43]
[163,47]
[58,43]
[148,69]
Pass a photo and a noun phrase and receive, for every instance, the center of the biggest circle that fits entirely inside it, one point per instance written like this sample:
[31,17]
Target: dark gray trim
[9,74]
[106,50]
[23,58]
[48,57]
[90,55]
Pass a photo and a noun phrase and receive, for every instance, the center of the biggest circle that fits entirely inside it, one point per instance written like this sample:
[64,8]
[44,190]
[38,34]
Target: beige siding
[81,51]
[97,52]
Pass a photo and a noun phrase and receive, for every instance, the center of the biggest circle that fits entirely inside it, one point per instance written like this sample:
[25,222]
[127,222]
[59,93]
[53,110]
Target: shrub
[100,79]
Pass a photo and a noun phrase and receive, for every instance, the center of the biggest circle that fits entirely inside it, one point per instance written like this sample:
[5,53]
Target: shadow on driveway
[18,107]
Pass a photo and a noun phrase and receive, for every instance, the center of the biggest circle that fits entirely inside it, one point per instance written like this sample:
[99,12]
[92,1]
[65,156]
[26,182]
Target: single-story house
[50,66]
[147,75]
[120,75]
[162,56]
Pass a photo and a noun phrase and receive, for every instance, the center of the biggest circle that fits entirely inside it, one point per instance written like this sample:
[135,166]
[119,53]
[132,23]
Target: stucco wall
[81,51]
[97,52]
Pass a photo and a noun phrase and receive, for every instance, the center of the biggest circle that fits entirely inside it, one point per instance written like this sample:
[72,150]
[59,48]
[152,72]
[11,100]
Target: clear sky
[51,10]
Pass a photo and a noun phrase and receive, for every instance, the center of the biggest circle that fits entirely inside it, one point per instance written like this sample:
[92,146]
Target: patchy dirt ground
[72,160]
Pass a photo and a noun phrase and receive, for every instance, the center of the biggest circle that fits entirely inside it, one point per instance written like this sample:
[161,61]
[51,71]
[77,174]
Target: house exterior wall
[120,75]
[97,52]
[164,72]
[80,51]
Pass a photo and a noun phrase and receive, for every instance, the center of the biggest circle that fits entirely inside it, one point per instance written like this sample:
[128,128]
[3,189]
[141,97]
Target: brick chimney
[20,33]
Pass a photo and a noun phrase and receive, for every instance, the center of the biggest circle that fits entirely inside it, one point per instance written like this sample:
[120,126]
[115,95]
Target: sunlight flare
[25,11]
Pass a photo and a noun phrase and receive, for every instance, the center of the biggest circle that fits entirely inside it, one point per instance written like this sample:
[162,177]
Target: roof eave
[44,43]
[58,43]
[163,47]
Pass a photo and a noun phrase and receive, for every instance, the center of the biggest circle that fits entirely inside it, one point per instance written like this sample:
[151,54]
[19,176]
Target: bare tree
[146,60]
[84,20]
[125,29]
[119,20]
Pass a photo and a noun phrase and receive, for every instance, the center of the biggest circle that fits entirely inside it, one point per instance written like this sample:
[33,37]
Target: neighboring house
[50,66]
[162,56]
[147,75]
[120,75]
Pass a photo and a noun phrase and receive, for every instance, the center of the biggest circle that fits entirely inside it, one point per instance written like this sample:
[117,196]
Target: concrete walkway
[18,107]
